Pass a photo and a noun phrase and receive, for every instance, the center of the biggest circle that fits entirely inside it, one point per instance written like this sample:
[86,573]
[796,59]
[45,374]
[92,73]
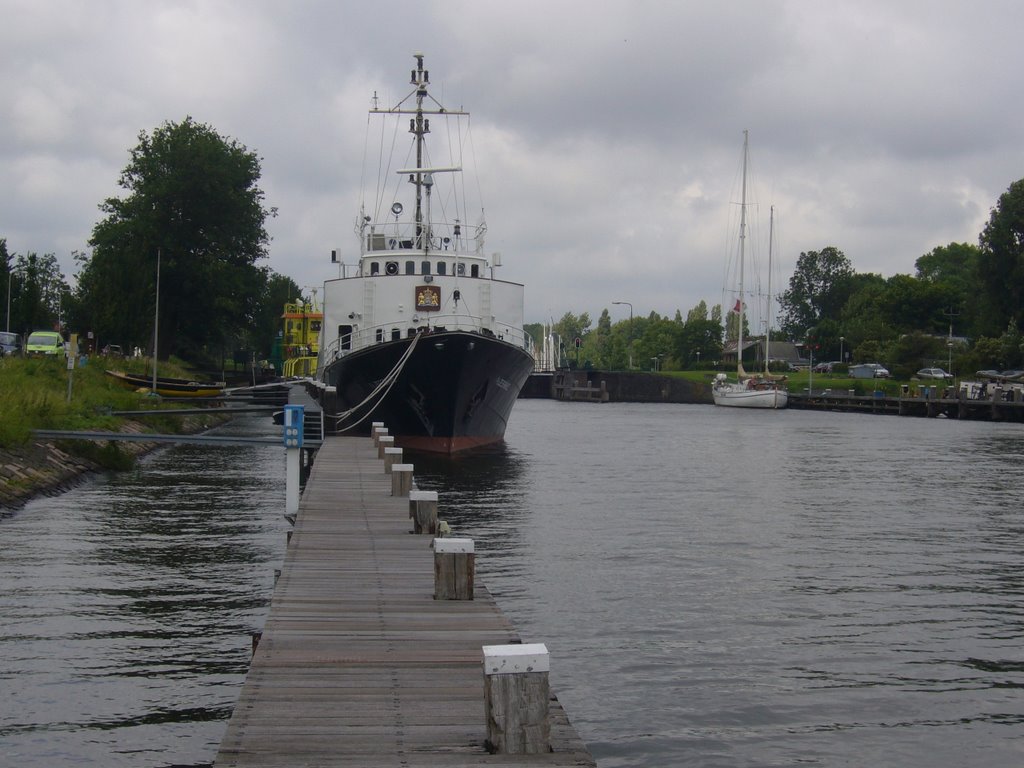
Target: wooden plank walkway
[358,665]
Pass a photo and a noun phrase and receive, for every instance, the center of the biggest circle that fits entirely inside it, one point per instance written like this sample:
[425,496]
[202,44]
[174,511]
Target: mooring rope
[386,384]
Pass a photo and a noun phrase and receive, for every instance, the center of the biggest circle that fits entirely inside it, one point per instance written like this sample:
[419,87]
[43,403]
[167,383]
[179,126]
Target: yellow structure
[301,323]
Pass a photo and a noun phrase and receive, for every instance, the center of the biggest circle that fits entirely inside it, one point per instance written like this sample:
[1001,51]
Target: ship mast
[420,127]
[421,176]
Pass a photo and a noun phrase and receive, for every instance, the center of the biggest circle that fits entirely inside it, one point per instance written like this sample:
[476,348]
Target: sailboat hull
[738,396]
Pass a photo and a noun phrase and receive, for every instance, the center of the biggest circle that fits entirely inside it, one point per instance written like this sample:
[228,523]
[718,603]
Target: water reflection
[479,492]
[130,606]
[716,589]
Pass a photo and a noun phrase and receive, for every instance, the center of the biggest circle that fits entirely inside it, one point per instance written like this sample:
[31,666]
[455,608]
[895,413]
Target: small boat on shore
[169,387]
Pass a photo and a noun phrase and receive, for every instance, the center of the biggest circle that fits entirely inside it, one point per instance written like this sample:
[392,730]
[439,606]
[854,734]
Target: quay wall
[621,386]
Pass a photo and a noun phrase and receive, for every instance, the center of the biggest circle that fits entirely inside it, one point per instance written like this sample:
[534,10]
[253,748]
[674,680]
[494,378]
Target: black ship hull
[451,392]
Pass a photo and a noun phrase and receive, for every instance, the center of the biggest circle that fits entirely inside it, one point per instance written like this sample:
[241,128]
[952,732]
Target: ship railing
[380,334]
[437,238]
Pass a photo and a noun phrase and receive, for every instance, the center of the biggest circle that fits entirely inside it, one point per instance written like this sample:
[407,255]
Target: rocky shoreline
[42,468]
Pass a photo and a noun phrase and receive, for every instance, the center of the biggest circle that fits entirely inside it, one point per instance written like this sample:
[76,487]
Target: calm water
[716,588]
[128,605]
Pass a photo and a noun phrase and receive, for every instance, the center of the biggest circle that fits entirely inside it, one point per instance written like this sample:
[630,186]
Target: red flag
[736,309]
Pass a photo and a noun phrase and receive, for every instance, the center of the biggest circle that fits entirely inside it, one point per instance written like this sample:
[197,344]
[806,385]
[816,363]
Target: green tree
[1001,261]
[7,284]
[700,341]
[602,341]
[193,201]
[658,339]
[570,328]
[954,267]
[699,312]
[818,290]
[536,332]
[863,317]
[42,293]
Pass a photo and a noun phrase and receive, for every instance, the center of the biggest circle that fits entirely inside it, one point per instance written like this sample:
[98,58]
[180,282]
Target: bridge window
[374,267]
[396,334]
[442,268]
[380,335]
[425,268]
[410,267]
[474,270]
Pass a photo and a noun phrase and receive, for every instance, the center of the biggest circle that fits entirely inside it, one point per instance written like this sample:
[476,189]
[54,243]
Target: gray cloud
[608,139]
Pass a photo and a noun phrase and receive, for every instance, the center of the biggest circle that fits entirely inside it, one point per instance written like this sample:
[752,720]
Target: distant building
[753,352]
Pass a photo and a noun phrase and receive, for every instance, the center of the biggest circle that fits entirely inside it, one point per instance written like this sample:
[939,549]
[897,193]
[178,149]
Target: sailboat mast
[771,299]
[743,238]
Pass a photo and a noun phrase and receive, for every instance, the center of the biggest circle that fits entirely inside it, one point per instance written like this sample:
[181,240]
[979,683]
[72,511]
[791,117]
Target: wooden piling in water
[516,694]
[401,479]
[392,456]
[454,569]
[423,511]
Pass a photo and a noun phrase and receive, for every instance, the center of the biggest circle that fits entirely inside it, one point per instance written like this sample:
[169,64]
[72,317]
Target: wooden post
[454,569]
[401,479]
[376,432]
[384,442]
[392,456]
[516,695]
[423,511]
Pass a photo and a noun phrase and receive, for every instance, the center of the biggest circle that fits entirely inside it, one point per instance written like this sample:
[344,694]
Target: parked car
[934,373]
[826,367]
[988,374]
[113,350]
[869,371]
[44,343]
[10,343]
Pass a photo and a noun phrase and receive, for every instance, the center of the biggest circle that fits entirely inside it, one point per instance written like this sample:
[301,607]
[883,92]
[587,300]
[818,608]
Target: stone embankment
[42,468]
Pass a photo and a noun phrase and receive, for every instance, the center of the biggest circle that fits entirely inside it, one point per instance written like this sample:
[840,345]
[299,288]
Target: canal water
[716,588]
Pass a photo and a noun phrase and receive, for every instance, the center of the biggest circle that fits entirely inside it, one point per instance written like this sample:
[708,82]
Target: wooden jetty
[998,404]
[358,664]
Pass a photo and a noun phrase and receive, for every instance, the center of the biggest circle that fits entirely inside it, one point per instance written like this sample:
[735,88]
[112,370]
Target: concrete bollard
[392,456]
[516,694]
[454,569]
[423,511]
[401,479]
[384,441]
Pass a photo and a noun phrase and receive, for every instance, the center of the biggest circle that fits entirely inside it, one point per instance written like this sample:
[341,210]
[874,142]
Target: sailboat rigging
[757,390]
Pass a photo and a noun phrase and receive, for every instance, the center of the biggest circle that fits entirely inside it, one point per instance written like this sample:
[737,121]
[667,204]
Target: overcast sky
[607,135]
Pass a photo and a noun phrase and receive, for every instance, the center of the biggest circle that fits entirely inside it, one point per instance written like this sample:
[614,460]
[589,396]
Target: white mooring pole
[293,428]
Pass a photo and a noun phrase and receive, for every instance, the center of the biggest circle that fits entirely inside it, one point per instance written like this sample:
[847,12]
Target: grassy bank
[33,395]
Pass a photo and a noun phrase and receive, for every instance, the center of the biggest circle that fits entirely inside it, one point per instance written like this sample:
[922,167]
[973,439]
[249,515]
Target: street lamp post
[10,279]
[630,330]
[841,358]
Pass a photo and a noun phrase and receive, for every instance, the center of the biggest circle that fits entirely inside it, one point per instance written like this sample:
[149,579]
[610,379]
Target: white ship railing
[368,337]
[437,238]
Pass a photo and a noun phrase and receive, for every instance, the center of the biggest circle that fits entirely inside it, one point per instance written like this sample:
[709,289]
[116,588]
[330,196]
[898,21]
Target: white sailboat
[749,390]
